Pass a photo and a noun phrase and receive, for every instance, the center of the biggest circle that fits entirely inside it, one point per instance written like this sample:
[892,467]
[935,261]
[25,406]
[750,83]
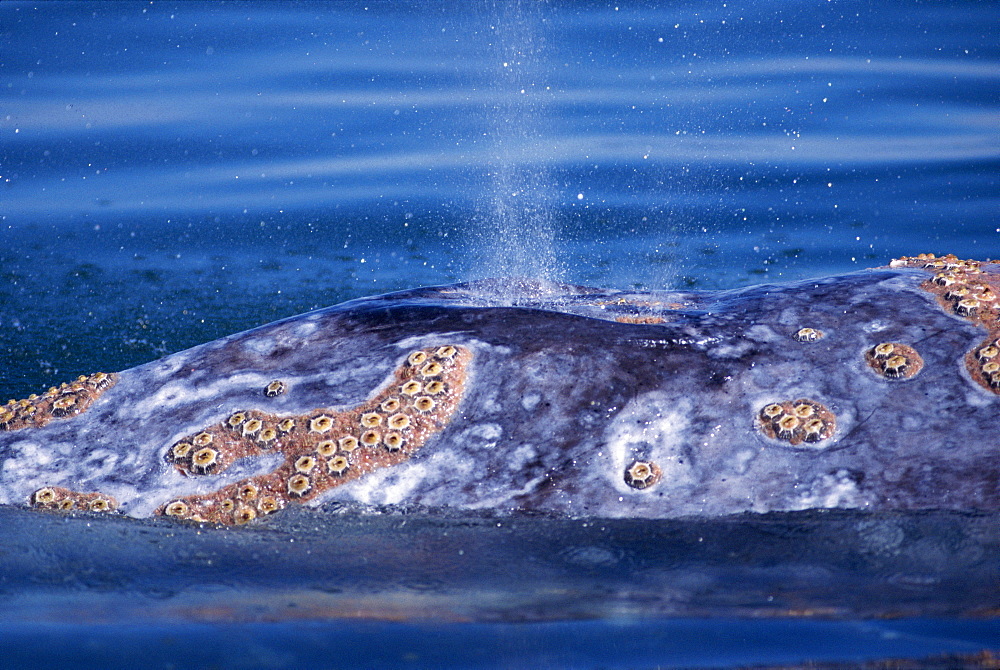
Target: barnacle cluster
[322,448]
[968,290]
[645,319]
[63,499]
[894,360]
[63,401]
[796,421]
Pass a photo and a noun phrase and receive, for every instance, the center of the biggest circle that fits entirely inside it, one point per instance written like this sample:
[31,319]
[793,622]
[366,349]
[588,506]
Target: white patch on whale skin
[761,333]
[652,427]
[261,346]
[410,482]
[834,490]
[307,327]
[26,469]
[184,392]
[876,326]
[520,457]
[482,436]
[530,401]
[386,486]
[732,351]
[505,499]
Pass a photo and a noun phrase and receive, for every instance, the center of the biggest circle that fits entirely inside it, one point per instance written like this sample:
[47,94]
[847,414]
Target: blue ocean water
[174,172]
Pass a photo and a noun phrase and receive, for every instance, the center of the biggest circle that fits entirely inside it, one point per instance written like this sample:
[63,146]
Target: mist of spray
[515,228]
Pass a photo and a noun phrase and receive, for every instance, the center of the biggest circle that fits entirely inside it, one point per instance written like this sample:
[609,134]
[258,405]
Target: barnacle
[323,437]
[894,360]
[299,485]
[808,335]
[796,421]
[424,403]
[965,290]
[394,441]
[642,474]
[371,420]
[321,424]
[338,465]
[64,500]
[63,402]
[275,388]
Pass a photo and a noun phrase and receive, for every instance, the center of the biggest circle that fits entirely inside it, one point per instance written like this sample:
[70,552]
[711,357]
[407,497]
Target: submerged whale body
[871,390]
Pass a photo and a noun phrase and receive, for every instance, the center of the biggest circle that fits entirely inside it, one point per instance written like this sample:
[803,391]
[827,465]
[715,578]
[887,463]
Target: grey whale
[871,390]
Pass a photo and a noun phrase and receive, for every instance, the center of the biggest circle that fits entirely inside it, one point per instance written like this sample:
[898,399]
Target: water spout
[515,231]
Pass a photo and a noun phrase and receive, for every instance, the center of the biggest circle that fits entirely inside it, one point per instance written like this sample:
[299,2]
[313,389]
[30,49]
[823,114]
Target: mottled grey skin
[561,399]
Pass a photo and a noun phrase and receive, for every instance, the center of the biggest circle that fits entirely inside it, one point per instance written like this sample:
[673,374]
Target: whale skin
[870,390]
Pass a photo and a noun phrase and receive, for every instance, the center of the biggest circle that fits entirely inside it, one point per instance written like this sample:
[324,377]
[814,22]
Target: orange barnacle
[944,279]
[772,411]
[180,450]
[348,443]
[176,508]
[235,420]
[814,430]
[321,424]
[956,293]
[305,464]
[642,474]
[787,426]
[204,460]
[894,360]
[424,403]
[435,387]
[248,491]
[804,410]
[393,441]
[987,353]
[399,421]
[275,388]
[895,366]
[252,427]
[432,369]
[371,420]
[266,437]
[967,307]
[338,465]
[808,335]
[269,505]
[244,515]
[299,485]
[44,496]
[320,447]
